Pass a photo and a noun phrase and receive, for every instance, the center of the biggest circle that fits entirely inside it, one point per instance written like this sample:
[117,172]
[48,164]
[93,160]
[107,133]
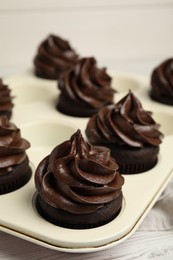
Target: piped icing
[12,146]
[124,123]
[78,177]
[54,57]
[162,80]
[87,84]
[5,97]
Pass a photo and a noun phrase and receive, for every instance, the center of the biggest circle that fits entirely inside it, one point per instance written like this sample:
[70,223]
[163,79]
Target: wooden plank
[7,5]
[111,35]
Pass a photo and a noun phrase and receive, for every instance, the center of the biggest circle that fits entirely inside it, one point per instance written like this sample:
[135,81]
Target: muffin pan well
[41,124]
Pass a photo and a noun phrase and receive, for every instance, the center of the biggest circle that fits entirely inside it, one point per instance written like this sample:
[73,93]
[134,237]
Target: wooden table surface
[141,245]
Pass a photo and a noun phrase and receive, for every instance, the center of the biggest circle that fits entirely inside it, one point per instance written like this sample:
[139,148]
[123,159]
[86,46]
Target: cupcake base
[68,107]
[7,113]
[134,160]
[44,75]
[162,99]
[16,178]
[66,219]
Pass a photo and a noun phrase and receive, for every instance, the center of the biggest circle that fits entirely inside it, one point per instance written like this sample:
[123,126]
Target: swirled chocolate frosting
[12,146]
[162,82]
[78,177]
[87,85]
[124,123]
[54,57]
[6,104]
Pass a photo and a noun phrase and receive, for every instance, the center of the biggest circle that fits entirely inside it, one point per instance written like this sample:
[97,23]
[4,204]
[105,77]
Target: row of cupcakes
[84,88]
[85,91]
[123,130]
[81,83]
[78,184]
[55,57]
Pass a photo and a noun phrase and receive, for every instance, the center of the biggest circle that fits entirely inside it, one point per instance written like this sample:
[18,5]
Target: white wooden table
[142,245]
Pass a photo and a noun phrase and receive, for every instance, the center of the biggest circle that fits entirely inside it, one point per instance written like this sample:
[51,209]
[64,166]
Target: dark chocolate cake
[129,131]
[162,83]
[78,185]
[14,162]
[54,57]
[6,104]
[84,89]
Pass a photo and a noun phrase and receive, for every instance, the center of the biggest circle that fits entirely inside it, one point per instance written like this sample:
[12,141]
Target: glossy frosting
[77,177]
[87,84]
[125,123]
[12,146]
[5,97]
[54,57]
[162,80]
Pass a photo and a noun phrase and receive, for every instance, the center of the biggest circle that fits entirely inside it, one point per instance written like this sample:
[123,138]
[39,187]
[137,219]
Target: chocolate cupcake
[54,57]
[84,89]
[162,83]
[14,163]
[6,104]
[129,131]
[78,185]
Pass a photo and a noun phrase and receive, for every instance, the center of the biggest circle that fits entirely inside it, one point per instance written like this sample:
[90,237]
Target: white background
[118,33]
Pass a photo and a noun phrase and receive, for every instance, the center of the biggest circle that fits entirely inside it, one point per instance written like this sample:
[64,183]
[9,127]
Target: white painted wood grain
[8,5]
[115,32]
[141,246]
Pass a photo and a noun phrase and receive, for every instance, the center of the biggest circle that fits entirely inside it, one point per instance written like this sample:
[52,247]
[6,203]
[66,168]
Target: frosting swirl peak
[86,87]
[12,146]
[125,123]
[54,57]
[78,177]
[6,104]
[162,82]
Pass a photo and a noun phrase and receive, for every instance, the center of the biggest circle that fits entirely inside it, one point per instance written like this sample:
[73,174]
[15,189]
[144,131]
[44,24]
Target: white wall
[116,32]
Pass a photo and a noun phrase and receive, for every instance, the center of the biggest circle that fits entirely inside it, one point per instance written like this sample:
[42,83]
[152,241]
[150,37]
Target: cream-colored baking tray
[40,123]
